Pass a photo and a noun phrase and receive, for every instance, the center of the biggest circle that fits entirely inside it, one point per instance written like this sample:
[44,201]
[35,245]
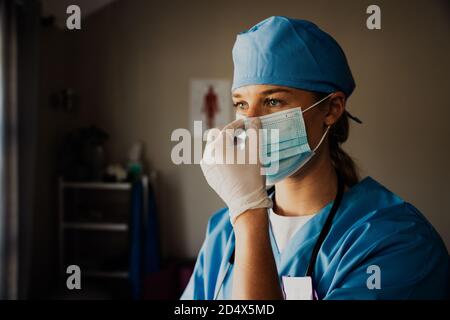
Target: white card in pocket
[297,288]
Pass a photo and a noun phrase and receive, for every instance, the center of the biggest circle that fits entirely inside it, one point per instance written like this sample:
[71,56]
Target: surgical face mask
[284,146]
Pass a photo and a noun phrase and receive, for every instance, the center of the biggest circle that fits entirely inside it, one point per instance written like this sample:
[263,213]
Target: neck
[309,190]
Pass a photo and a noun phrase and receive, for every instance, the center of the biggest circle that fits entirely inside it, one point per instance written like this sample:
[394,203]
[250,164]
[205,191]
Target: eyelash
[266,102]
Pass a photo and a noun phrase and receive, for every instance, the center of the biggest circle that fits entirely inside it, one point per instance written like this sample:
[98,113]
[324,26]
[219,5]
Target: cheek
[240,116]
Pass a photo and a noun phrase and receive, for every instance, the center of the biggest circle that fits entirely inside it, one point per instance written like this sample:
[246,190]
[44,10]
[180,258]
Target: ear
[336,107]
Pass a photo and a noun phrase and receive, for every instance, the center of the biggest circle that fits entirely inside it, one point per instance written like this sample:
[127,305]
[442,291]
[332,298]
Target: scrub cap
[292,53]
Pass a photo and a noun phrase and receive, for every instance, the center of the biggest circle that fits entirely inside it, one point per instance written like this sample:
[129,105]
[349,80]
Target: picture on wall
[210,102]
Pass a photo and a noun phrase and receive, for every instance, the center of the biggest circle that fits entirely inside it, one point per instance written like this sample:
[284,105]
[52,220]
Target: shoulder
[219,221]
[396,224]
[219,226]
[374,213]
[373,207]
[203,279]
[383,230]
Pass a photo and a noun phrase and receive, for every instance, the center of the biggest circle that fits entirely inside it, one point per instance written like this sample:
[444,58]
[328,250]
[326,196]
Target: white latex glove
[241,186]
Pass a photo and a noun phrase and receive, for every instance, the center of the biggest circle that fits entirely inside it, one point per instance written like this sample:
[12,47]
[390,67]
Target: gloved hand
[241,186]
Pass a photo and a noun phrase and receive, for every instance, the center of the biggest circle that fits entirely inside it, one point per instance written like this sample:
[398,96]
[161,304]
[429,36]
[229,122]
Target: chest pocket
[297,288]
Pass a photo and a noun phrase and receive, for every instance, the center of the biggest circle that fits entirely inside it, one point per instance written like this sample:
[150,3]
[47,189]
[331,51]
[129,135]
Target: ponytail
[342,162]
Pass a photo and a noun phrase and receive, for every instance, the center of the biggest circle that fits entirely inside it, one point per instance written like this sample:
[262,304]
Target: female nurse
[310,229]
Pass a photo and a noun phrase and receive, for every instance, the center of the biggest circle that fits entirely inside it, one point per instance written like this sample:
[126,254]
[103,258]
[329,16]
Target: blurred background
[87,116]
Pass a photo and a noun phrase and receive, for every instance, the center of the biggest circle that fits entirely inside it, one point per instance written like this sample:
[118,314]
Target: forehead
[264,90]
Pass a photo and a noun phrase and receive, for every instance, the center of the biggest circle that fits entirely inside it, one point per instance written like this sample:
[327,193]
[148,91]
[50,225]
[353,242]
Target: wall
[136,57]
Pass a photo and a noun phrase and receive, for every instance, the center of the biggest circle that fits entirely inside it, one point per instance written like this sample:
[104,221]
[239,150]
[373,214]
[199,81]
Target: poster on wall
[210,101]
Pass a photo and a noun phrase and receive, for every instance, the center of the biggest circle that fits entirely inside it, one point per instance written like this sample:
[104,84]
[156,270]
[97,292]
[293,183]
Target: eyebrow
[266,92]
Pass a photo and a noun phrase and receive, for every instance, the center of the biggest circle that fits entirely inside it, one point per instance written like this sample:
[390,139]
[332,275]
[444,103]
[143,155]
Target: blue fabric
[373,226]
[144,253]
[151,250]
[136,240]
[293,53]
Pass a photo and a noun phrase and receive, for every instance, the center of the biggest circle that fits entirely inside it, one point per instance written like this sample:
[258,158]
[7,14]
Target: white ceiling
[57,8]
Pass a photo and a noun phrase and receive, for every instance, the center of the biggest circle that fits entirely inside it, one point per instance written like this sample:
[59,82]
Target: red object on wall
[211,107]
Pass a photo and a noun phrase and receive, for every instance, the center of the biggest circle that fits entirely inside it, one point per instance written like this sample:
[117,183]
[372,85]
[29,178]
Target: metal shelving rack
[94,226]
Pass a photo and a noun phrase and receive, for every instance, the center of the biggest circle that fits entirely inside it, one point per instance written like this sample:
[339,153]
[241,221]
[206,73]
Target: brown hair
[342,162]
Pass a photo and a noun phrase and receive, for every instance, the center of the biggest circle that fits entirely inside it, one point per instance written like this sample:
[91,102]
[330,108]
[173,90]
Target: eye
[240,105]
[274,102]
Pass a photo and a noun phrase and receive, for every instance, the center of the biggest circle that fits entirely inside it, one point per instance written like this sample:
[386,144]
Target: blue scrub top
[373,226]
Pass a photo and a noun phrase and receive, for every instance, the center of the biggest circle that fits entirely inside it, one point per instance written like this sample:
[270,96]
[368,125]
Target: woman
[321,233]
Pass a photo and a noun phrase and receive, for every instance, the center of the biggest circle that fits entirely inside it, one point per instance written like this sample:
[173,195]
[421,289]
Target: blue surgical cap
[292,53]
